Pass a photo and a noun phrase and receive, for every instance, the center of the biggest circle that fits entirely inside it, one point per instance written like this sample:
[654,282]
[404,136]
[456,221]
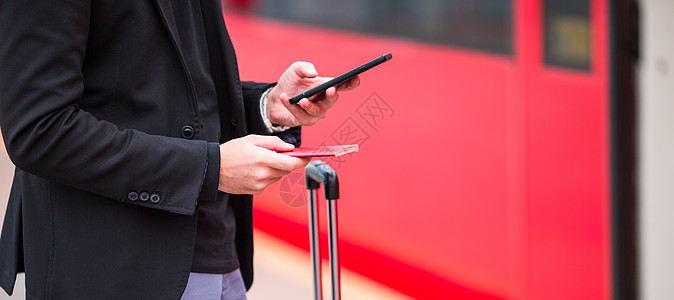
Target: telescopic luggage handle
[318,172]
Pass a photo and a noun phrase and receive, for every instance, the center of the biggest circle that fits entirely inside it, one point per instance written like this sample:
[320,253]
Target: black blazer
[94,100]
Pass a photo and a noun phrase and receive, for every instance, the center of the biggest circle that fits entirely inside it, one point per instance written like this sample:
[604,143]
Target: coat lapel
[166,12]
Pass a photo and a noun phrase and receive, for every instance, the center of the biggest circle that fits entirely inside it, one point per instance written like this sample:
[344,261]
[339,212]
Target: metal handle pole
[318,172]
[315,244]
[334,250]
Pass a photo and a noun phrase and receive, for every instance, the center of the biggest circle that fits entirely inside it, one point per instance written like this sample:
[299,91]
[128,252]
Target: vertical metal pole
[315,244]
[334,250]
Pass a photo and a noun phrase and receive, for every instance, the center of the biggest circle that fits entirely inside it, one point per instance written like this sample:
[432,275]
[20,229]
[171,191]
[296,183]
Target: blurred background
[510,150]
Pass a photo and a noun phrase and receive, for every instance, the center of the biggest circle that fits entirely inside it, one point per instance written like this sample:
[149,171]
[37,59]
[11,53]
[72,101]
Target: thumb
[305,69]
[272,143]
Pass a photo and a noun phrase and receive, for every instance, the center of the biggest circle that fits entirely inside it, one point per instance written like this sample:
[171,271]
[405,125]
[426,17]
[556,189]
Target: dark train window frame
[479,25]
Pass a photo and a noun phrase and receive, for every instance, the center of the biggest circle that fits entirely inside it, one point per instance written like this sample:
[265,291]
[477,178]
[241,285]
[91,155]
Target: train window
[567,34]
[477,24]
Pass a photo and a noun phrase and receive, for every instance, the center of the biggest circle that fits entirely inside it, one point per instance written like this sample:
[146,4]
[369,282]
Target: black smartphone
[341,78]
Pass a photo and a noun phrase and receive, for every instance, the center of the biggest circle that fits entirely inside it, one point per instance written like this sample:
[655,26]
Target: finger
[271,181]
[349,85]
[260,186]
[320,108]
[286,163]
[270,173]
[300,115]
[313,109]
[331,91]
[296,115]
[302,162]
[278,174]
[285,100]
[273,143]
[306,160]
[305,69]
[331,97]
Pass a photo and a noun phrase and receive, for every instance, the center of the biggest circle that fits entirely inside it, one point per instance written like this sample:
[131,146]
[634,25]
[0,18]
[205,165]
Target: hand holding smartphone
[341,78]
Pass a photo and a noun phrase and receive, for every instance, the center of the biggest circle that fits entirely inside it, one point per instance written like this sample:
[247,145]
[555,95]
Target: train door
[563,59]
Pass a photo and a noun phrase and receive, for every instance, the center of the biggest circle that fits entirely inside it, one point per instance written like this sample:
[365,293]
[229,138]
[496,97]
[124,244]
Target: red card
[323,151]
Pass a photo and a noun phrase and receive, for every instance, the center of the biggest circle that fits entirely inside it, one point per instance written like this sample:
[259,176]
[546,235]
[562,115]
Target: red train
[485,162]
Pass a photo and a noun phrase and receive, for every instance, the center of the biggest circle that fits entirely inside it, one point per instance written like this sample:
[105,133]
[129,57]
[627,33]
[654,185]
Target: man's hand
[249,164]
[298,78]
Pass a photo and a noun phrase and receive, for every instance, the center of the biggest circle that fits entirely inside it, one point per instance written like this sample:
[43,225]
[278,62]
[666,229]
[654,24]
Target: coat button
[187,132]
[132,196]
[235,122]
[144,196]
[155,198]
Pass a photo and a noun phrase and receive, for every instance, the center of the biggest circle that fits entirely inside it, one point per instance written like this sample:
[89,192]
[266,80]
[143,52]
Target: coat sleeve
[252,92]
[42,50]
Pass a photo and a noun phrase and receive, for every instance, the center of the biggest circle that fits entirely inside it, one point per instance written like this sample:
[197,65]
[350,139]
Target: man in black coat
[136,146]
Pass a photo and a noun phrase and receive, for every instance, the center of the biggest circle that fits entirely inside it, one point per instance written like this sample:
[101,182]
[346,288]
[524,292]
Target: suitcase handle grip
[318,172]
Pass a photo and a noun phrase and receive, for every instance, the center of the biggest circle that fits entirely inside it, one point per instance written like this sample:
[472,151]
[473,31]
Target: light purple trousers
[202,286]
